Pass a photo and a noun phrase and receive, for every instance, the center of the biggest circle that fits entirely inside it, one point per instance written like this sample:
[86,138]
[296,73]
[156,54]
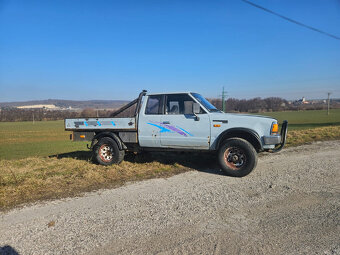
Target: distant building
[40,106]
[301,101]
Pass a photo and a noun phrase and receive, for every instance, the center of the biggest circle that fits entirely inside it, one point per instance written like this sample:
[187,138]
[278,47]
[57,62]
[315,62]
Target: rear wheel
[237,157]
[106,152]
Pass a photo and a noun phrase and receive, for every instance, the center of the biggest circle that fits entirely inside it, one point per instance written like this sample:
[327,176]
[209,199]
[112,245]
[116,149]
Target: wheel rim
[105,153]
[235,158]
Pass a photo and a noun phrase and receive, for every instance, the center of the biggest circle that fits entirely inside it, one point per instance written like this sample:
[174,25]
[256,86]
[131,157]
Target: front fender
[249,135]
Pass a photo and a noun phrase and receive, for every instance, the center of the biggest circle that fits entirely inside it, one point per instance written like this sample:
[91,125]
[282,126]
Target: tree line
[252,105]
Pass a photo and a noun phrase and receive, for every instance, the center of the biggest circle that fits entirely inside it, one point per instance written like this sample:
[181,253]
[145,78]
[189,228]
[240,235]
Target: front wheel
[237,157]
[106,152]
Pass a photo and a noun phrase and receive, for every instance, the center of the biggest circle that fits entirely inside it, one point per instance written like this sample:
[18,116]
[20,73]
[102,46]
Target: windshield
[205,103]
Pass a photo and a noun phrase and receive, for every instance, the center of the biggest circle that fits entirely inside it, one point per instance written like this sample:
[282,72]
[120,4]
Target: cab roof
[167,93]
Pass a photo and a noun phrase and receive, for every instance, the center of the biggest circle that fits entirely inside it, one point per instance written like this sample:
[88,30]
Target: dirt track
[289,205]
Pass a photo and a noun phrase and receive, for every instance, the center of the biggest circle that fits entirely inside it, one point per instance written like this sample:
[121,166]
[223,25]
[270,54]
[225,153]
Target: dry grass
[39,178]
[298,137]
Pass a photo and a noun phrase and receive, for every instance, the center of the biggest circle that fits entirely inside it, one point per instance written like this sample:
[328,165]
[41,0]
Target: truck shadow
[8,250]
[81,155]
[203,162]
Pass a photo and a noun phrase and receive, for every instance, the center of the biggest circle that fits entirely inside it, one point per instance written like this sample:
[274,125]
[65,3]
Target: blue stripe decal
[113,124]
[99,123]
[184,131]
[86,123]
[162,129]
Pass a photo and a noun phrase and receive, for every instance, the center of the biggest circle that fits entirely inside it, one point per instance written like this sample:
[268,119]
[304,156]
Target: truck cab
[168,121]
[182,121]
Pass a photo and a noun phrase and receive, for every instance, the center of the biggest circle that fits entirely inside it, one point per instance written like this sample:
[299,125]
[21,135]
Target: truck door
[184,130]
[149,128]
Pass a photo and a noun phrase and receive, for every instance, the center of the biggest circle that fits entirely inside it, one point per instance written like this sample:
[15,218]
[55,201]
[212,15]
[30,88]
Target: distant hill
[97,104]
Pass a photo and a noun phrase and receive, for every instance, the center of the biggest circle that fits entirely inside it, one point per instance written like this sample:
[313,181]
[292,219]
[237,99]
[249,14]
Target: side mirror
[196,108]
[192,108]
[188,107]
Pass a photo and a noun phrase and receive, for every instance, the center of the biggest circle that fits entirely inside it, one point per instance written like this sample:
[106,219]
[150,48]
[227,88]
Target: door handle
[166,122]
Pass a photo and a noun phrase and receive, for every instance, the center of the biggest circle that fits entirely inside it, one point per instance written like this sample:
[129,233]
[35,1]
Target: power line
[291,20]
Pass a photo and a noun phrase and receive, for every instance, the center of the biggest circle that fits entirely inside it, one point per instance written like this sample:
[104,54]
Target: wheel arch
[112,135]
[247,134]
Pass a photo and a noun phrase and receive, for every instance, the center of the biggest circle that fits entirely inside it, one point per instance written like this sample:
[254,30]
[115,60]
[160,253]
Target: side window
[175,103]
[153,105]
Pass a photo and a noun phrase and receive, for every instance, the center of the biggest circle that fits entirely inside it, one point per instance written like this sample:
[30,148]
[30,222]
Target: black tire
[237,157]
[106,152]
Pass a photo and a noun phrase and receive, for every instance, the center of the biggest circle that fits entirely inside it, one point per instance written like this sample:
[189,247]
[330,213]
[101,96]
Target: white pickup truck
[181,121]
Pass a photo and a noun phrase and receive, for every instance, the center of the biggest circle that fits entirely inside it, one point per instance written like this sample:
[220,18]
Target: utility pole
[329,93]
[224,94]
[33,117]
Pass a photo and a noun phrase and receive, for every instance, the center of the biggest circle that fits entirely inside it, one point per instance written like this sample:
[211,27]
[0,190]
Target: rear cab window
[153,105]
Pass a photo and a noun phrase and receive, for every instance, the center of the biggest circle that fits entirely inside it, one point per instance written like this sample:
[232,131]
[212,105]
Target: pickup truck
[182,121]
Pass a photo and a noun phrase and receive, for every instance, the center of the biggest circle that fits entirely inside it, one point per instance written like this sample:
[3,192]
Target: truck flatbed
[92,124]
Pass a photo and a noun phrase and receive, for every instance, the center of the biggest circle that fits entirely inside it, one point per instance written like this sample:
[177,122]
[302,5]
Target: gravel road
[290,204]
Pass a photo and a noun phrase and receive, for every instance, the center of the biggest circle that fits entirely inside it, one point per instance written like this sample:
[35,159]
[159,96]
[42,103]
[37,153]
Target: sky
[98,49]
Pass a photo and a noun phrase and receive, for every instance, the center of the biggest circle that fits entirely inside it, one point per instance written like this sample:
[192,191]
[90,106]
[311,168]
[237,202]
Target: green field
[307,119]
[43,138]
[47,138]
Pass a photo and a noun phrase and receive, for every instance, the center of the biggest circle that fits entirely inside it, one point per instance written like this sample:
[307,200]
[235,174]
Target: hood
[250,115]
[223,115]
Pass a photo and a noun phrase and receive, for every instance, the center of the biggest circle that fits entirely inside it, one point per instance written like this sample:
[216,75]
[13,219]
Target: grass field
[38,161]
[43,138]
[307,119]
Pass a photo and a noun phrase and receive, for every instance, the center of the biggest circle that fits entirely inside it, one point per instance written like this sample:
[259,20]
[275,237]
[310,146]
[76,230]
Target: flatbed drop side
[182,121]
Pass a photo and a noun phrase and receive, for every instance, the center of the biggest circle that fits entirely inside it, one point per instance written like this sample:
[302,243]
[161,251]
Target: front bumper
[279,140]
[272,140]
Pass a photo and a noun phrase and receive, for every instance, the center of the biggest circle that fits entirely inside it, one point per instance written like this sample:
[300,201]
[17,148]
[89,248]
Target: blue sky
[100,49]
